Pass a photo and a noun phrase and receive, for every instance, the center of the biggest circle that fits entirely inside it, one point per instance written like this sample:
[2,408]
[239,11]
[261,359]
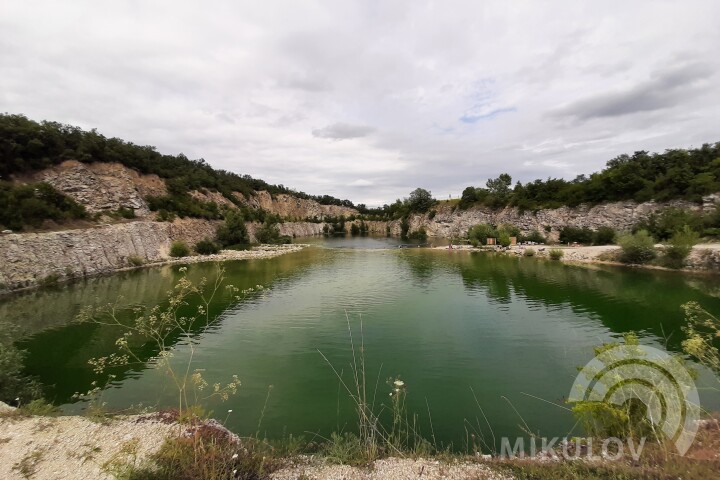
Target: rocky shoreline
[77,448]
[25,272]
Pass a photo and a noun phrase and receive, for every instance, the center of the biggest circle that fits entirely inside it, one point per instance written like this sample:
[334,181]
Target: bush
[662,225]
[679,246]
[233,231]
[529,252]
[533,236]
[419,234]
[179,249]
[504,239]
[135,261]
[637,248]
[354,229]
[13,382]
[604,236]
[123,212]
[556,254]
[206,247]
[269,233]
[404,228]
[165,216]
[31,204]
[580,235]
[481,232]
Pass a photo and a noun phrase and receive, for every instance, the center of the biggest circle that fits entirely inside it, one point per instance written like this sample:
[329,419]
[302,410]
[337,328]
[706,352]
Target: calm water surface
[513,330]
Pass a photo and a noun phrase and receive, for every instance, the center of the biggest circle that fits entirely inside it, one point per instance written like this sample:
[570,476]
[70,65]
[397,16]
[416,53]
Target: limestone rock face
[103,187]
[293,208]
[26,259]
[618,215]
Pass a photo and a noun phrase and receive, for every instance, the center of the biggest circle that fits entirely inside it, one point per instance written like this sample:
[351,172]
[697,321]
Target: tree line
[27,145]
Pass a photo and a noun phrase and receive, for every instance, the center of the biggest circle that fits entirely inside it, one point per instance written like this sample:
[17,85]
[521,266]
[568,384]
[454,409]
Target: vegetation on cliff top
[34,203]
[27,145]
[675,174]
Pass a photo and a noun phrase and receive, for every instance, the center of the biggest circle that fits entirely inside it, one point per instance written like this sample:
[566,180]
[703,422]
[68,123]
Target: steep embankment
[618,215]
[28,259]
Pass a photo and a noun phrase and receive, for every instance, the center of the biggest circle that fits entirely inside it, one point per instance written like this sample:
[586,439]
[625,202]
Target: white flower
[234,471]
[399,383]
[235,455]
[230,411]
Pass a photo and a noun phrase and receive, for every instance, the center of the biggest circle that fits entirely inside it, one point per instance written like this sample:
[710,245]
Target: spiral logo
[649,375]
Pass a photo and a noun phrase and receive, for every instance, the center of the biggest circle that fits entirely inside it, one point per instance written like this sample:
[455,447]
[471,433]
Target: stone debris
[393,469]
[75,448]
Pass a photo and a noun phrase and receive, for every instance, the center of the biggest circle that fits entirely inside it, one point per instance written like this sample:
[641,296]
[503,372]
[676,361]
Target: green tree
[637,248]
[679,246]
[420,200]
[233,231]
[499,189]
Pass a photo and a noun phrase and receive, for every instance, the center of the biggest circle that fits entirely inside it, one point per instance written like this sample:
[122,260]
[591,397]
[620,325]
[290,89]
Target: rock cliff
[29,258]
[618,215]
[103,187]
[293,208]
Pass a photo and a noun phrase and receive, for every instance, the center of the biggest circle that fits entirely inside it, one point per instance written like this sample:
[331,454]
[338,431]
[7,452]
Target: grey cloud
[663,90]
[343,131]
[253,87]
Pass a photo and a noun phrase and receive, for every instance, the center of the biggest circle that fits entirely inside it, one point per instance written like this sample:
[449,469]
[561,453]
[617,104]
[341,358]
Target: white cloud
[415,93]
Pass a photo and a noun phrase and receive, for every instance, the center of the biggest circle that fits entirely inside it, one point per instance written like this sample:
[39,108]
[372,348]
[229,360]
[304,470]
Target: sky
[367,100]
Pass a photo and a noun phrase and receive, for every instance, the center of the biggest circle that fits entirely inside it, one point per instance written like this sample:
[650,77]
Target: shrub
[354,229]
[679,246]
[125,212]
[604,236]
[135,261]
[504,239]
[637,248]
[419,234]
[662,225]
[580,235]
[179,249]
[233,231]
[31,204]
[206,247]
[529,252]
[165,216]
[13,382]
[404,227]
[270,233]
[556,254]
[481,232]
[533,236]
[432,214]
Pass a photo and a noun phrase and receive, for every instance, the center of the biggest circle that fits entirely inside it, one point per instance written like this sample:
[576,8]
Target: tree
[420,200]
[499,188]
[233,231]
[468,198]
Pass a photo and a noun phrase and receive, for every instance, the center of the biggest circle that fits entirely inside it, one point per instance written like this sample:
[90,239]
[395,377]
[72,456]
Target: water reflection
[446,321]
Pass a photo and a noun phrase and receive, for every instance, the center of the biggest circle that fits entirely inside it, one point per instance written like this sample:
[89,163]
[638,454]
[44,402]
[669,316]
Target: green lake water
[513,330]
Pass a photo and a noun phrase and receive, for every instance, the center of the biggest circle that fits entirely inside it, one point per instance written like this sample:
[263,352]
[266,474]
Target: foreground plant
[161,326]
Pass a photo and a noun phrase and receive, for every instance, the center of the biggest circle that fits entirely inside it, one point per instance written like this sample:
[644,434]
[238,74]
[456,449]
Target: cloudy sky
[367,100]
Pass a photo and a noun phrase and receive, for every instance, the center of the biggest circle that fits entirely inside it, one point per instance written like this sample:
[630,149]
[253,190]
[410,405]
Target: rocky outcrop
[618,215]
[103,187]
[293,208]
[291,229]
[29,259]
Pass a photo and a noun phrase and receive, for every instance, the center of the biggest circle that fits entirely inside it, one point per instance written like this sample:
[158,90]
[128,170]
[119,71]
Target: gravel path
[74,448]
[393,469]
